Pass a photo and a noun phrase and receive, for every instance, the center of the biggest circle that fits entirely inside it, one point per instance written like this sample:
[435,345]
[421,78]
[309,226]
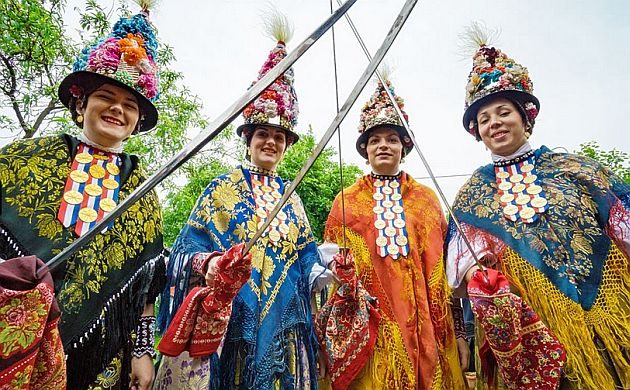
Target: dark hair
[527,121]
[88,90]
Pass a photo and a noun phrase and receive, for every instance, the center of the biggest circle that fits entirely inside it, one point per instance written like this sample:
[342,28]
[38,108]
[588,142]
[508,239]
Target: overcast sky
[576,52]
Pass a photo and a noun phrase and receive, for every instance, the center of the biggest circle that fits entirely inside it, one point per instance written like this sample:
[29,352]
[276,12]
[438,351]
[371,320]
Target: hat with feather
[125,58]
[493,75]
[276,106]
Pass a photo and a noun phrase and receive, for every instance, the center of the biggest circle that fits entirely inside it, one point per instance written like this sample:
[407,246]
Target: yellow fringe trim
[608,319]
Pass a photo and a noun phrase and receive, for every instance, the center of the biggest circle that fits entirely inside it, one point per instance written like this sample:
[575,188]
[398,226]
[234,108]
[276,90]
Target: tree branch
[11,94]
[42,115]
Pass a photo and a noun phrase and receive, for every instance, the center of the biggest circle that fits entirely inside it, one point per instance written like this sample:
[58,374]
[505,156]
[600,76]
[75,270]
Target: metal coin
[381,241]
[390,231]
[394,184]
[510,209]
[93,190]
[378,209]
[507,198]
[284,228]
[261,213]
[401,240]
[79,176]
[275,185]
[282,215]
[83,158]
[387,190]
[516,178]
[73,197]
[527,167]
[379,224]
[266,189]
[110,184]
[107,204]
[399,223]
[378,183]
[539,202]
[276,195]
[530,179]
[388,203]
[87,215]
[393,249]
[112,168]
[505,185]
[534,190]
[275,222]
[522,199]
[101,157]
[274,236]
[377,196]
[518,188]
[397,209]
[502,174]
[527,212]
[396,196]
[389,215]
[97,171]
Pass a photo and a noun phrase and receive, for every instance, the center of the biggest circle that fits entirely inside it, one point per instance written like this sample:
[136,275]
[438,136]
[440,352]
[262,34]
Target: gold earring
[79,118]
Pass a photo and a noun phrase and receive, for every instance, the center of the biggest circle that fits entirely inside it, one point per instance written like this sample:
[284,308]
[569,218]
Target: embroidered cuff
[145,337]
[458,319]
[201,260]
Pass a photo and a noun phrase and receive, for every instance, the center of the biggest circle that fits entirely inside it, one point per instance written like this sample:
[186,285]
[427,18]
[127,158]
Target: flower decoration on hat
[278,104]
[494,74]
[127,58]
[379,111]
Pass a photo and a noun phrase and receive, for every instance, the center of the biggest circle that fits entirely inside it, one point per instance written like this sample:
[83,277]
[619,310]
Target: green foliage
[322,182]
[616,160]
[34,57]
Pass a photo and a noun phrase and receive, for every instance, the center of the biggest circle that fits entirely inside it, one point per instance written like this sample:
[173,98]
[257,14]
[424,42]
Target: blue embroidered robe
[270,340]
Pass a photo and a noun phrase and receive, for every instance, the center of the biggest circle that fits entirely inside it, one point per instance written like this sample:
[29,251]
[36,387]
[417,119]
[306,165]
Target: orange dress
[415,346]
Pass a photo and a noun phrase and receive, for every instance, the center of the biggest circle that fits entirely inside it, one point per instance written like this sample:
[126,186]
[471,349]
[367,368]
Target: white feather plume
[477,35]
[276,24]
[146,5]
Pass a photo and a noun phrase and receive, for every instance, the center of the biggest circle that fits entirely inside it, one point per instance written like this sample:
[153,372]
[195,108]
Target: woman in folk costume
[555,226]
[269,341]
[394,228]
[56,188]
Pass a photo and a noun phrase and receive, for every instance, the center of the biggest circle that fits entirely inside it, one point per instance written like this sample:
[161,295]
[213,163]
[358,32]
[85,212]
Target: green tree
[322,182]
[618,161]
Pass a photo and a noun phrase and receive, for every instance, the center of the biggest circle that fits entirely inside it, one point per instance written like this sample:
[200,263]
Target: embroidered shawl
[101,289]
[566,264]
[415,345]
[274,302]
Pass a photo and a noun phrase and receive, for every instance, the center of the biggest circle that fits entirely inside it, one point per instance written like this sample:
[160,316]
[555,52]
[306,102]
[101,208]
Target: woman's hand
[464,353]
[142,373]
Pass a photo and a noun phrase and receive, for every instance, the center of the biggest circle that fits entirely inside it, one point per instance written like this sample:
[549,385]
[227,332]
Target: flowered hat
[277,106]
[126,58]
[494,74]
[379,111]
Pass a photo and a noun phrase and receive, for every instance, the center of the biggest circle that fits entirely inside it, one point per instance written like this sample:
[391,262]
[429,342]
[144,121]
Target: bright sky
[576,52]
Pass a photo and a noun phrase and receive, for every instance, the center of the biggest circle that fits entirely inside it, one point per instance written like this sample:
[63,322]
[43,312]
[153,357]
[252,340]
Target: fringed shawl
[101,289]
[274,305]
[415,346]
[566,264]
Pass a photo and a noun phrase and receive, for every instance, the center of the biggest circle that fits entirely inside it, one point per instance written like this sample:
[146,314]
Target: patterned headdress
[493,75]
[278,105]
[379,111]
[125,58]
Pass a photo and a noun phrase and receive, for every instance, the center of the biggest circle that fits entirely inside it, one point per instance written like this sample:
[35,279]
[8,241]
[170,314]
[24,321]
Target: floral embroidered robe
[270,342]
[415,346]
[569,265]
[101,290]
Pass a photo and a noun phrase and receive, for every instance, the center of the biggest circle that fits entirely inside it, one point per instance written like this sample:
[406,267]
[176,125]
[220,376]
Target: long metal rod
[415,144]
[363,80]
[203,138]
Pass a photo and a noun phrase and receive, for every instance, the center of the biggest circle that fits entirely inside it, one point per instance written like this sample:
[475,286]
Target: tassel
[277,26]
[476,36]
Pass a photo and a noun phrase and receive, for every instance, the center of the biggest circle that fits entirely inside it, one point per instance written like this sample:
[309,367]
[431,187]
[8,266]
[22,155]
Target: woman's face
[110,115]
[501,127]
[267,147]
[384,150]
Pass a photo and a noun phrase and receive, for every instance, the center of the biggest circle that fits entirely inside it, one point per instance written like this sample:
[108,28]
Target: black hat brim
[520,97]
[91,80]
[363,138]
[252,126]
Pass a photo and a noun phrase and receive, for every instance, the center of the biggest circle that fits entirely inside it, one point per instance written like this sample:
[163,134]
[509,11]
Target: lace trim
[514,160]
[262,171]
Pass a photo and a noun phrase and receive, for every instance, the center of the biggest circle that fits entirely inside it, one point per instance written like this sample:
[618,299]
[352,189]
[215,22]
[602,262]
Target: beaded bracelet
[145,337]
